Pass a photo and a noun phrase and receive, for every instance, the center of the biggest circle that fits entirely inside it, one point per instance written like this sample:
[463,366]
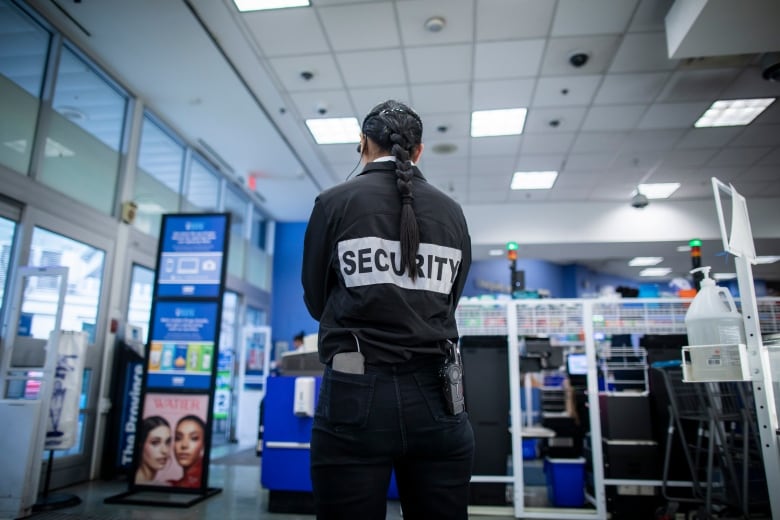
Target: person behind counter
[384,264]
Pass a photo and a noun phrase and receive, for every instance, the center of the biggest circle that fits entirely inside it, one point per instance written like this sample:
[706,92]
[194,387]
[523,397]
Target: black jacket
[352,277]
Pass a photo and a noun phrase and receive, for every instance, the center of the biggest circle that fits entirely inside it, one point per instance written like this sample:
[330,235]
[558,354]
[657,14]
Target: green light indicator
[695,243]
[511,246]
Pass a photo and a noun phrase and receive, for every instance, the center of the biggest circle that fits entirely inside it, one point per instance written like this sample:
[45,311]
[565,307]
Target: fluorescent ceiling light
[767,259]
[335,130]
[724,276]
[262,5]
[496,252]
[644,261]
[533,180]
[733,112]
[658,190]
[655,271]
[683,249]
[509,121]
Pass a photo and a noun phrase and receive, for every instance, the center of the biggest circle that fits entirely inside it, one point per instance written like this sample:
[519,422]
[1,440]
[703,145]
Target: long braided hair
[396,128]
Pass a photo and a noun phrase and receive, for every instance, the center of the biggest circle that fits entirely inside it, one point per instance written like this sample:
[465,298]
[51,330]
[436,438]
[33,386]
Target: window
[85,276]
[237,203]
[85,134]
[25,46]
[139,306]
[203,189]
[158,177]
[7,229]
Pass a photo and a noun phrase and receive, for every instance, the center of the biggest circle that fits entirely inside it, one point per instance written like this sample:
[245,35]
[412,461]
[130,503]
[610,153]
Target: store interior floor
[231,469]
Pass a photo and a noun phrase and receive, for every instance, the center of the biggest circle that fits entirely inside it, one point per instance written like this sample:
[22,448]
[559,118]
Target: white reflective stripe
[374,260]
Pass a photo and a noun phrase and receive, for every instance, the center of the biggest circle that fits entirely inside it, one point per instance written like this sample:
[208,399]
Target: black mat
[245,457]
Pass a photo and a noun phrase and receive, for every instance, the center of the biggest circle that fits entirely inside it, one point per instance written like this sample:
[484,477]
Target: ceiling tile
[600,50]
[502,165]
[458,15]
[613,191]
[642,52]
[335,102]
[770,116]
[367,98]
[446,125]
[568,194]
[432,142]
[693,190]
[694,85]
[750,84]
[739,156]
[547,143]
[539,163]
[347,29]
[673,115]
[613,117]
[439,166]
[708,137]
[577,179]
[772,158]
[642,161]
[650,16]
[487,197]
[589,161]
[575,17]
[565,91]
[283,32]
[594,142]
[338,153]
[441,98]
[326,74]
[355,64]
[529,195]
[664,139]
[687,158]
[507,59]
[749,189]
[499,145]
[619,89]
[758,135]
[506,93]
[761,173]
[438,64]
[554,120]
[490,182]
[513,19]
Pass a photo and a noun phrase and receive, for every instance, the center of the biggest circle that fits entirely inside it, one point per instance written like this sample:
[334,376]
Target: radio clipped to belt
[452,380]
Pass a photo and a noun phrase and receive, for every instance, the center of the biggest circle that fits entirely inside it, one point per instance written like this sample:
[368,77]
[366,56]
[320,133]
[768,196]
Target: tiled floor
[242,497]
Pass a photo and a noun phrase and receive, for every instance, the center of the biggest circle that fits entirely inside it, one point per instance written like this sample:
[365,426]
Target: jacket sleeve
[316,262]
[463,271]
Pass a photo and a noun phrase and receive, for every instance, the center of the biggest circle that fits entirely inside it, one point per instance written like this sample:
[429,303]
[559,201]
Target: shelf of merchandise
[576,321]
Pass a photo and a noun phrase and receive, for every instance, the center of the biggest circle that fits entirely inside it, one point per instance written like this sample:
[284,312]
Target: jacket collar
[389,167]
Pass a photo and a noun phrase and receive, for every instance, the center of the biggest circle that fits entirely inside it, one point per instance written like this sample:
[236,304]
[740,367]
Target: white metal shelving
[580,319]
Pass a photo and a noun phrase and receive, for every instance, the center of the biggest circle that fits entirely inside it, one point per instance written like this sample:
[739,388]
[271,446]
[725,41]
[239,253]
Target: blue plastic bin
[565,481]
[530,448]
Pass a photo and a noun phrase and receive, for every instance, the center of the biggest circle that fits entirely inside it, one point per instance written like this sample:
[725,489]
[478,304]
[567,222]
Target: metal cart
[723,455]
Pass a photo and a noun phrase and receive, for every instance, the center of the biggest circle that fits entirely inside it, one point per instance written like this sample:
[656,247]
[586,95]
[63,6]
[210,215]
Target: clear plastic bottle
[712,318]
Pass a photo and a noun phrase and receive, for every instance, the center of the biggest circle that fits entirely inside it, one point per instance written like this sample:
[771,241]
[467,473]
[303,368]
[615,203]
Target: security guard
[386,257]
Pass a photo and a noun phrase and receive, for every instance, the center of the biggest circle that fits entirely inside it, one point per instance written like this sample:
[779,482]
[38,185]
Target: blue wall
[288,312]
[486,276]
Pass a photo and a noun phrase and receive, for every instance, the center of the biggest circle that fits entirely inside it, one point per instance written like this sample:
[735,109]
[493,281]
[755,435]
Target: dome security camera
[579,59]
[639,201]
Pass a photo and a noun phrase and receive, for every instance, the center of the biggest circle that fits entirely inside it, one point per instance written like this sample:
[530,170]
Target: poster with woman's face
[172,441]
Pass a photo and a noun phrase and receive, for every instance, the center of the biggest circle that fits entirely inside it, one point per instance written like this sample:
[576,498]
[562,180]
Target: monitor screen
[577,364]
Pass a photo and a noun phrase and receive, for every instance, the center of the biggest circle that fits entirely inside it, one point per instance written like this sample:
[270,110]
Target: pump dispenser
[712,318]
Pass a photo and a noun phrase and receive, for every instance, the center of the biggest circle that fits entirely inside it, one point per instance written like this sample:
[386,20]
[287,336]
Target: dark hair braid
[397,128]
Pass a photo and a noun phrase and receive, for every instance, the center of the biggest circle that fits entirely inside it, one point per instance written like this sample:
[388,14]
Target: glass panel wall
[223,391]
[84,139]
[256,317]
[158,177]
[23,48]
[203,188]
[139,307]
[85,275]
[237,203]
[7,229]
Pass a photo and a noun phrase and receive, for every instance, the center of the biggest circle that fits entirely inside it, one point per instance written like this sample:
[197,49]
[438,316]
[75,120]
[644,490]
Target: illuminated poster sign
[182,349]
[192,255]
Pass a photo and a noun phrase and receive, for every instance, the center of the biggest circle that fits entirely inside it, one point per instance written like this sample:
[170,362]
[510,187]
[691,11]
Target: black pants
[391,417]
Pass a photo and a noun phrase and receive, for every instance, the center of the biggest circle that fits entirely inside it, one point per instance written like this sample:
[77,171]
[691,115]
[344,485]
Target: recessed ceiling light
[733,112]
[533,180]
[496,252]
[262,5]
[658,190]
[644,261]
[767,259]
[655,271]
[724,276]
[334,130]
[507,121]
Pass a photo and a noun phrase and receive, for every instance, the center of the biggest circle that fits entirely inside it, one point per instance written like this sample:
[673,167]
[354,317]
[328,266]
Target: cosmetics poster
[172,441]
